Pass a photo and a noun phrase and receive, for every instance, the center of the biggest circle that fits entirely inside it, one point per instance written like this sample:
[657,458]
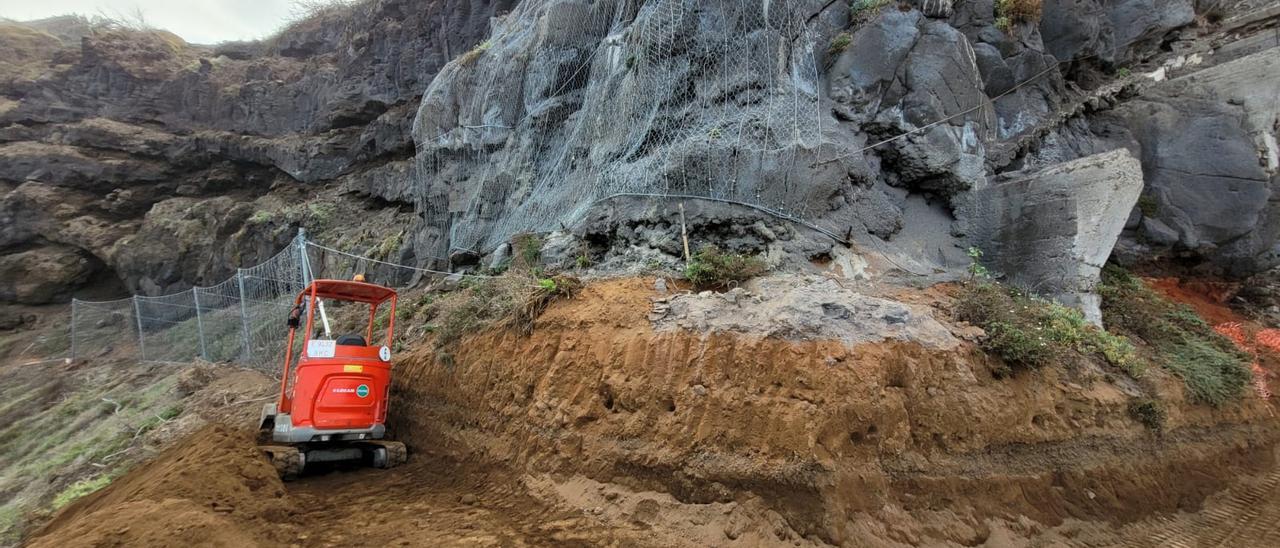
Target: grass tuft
[711,268]
[1213,369]
[80,489]
[861,11]
[839,43]
[1018,11]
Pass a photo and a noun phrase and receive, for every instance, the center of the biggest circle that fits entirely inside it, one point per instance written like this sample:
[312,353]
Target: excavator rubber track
[288,460]
[392,454]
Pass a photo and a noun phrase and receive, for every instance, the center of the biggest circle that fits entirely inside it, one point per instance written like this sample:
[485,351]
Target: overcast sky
[196,21]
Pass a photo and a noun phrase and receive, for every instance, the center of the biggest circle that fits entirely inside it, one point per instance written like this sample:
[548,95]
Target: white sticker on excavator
[321,349]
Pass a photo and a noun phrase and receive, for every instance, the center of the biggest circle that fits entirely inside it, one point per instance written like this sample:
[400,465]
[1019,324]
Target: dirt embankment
[213,489]
[601,429]
[840,440]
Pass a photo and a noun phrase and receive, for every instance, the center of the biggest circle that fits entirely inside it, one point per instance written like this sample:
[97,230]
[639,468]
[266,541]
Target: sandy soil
[214,490]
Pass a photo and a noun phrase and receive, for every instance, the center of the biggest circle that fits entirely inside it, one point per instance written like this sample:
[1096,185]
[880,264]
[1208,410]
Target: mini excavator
[333,392]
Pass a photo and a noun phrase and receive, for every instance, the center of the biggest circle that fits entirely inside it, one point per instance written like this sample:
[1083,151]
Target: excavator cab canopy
[344,290]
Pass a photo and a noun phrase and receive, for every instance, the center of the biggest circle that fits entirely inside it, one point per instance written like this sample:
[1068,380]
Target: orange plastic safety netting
[1267,338]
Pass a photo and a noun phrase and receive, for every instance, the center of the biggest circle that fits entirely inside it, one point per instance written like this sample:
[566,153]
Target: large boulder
[166,253]
[43,275]
[1051,231]
[923,70]
[1072,28]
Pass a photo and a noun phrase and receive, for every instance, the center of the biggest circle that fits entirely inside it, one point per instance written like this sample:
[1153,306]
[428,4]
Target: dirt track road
[434,501]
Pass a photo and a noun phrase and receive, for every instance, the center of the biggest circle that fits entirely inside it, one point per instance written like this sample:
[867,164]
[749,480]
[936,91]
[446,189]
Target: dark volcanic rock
[43,274]
[491,118]
[103,124]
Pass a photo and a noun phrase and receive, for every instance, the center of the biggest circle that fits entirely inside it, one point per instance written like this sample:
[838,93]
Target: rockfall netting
[568,104]
[241,320]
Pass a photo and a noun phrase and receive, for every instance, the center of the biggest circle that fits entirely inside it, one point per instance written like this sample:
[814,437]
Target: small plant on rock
[711,268]
[976,270]
[475,53]
[1004,23]
[526,251]
[839,44]
[1010,12]
[861,11]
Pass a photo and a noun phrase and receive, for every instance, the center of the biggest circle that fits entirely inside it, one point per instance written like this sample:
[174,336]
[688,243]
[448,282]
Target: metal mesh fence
[222,321]
[169,327]
[100,329]
[240,320]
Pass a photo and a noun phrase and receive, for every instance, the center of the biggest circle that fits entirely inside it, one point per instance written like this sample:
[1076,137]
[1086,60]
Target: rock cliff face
[488,118]
[113,141]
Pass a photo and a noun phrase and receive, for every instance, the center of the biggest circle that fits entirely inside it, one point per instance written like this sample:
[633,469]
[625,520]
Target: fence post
[244,315]
[137,315]
[304,260]
[73,329]
[195,297]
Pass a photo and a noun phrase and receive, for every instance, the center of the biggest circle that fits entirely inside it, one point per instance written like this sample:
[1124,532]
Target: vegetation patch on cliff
[513,300]
[711,268]
[1214,370]
[1029,332]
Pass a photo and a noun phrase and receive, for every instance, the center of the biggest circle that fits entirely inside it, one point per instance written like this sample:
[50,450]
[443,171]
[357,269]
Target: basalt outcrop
[490,118]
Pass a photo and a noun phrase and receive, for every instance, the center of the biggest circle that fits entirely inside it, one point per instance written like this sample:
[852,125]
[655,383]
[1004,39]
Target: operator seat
[351,339]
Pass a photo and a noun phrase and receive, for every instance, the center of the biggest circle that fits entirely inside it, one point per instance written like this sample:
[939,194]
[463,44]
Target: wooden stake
[684,234]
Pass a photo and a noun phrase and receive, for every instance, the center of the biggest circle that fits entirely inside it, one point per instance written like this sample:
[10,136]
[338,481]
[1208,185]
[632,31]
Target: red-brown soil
[1208,299]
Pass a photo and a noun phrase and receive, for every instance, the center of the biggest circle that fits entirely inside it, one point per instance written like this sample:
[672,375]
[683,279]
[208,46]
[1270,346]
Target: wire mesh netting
[240,320]
[170,328]
[222,321]
[104,329]
[714,99]
[267,293]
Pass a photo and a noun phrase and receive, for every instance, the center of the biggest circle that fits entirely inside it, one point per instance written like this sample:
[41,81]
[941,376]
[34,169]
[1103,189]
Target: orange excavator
[333,391]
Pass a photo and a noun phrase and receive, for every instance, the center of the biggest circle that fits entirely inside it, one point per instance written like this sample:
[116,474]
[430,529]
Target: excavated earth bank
[615,423]
[896,440]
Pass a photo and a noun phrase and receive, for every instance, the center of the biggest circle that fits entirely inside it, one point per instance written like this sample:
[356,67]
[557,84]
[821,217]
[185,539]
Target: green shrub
[976,269]
[1210,365]
[1029,332]
[1148,412]
[526,251]
[711,268]
[1004,23]
[320,213]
